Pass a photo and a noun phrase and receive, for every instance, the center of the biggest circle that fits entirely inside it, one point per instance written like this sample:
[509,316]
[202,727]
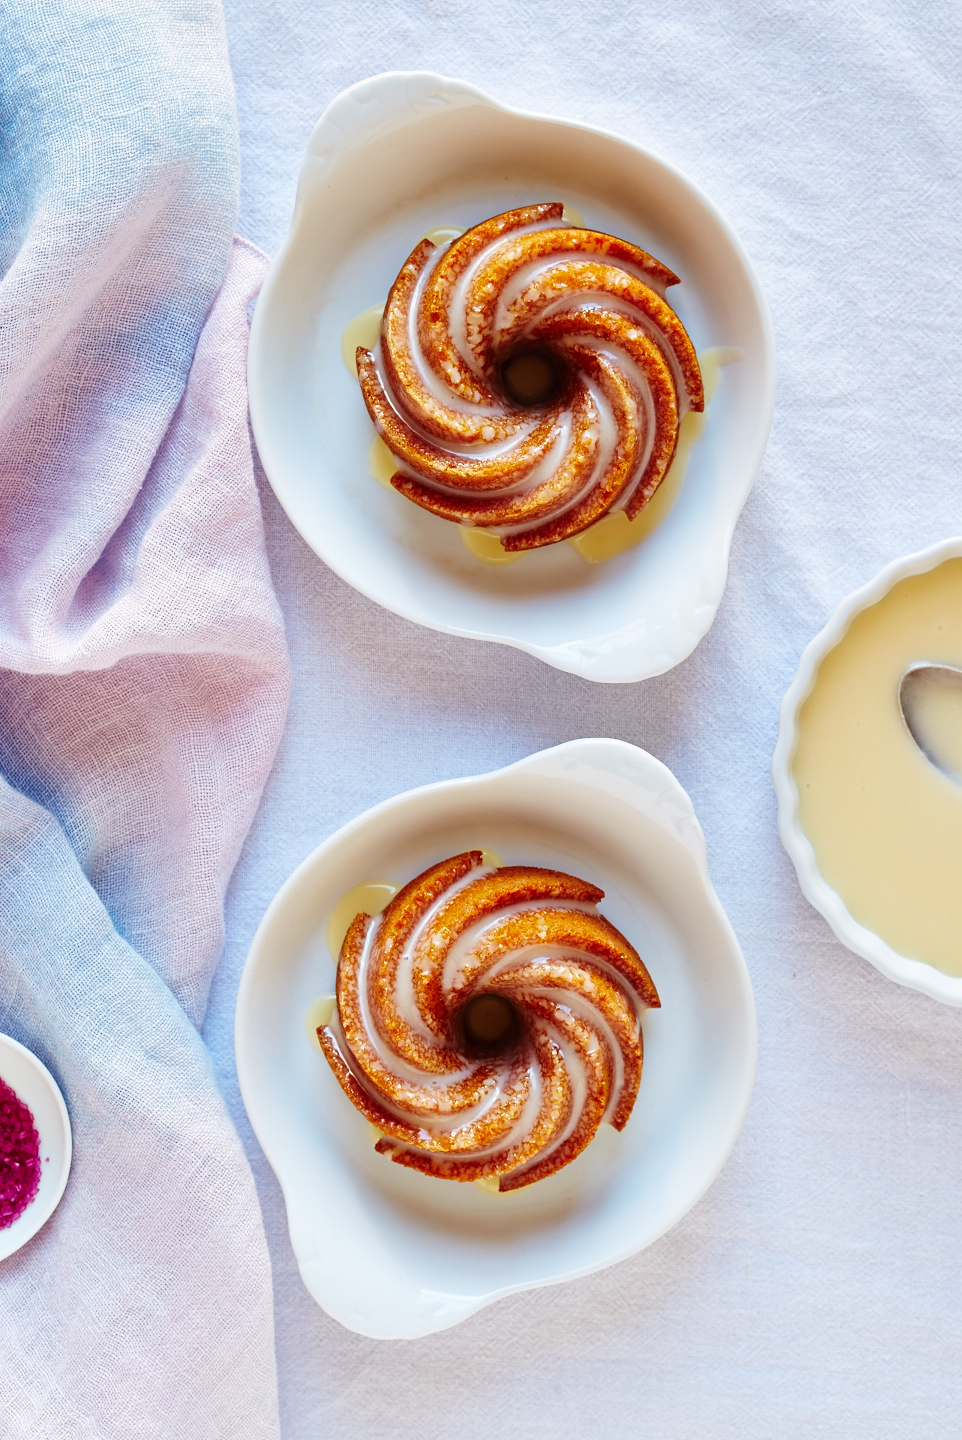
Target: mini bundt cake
[488,1021]
[530,377]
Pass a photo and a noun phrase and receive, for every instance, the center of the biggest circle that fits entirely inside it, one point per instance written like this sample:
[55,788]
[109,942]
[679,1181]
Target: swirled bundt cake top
[530,377]
[488,1021]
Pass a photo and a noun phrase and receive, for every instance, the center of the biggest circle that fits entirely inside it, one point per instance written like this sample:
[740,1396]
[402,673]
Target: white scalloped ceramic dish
[390,159]
[392,1253]
[914,973]
[34,1085]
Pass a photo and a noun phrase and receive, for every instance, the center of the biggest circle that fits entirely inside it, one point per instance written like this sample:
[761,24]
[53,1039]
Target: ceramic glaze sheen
[885,824]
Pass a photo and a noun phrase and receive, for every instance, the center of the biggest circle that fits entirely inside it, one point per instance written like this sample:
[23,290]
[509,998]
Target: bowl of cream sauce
[871,821]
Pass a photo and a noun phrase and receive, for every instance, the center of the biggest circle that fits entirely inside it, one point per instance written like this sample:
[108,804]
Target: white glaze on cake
[627,375]
[398,1046]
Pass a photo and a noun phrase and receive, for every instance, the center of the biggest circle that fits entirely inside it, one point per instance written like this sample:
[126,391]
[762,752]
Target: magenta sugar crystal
[19,1157]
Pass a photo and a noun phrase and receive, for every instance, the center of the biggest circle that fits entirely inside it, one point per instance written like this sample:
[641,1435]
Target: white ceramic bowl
[392,1253]
[914,973]
[390,159]
[34,1085]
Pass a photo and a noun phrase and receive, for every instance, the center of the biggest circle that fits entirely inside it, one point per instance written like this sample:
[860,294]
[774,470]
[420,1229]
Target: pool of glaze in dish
[392,1253]
[885,824]
[391,159]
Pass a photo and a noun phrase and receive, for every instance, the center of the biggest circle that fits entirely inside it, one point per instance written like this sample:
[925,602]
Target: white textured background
[816,1290]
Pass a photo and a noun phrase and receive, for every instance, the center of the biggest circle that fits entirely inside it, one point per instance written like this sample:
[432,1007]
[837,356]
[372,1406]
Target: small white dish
[390,159]
[36,1088]
[392,1253]
[913,973]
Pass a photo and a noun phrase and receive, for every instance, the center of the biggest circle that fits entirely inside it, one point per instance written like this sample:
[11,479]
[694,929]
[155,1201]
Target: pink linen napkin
[143,687]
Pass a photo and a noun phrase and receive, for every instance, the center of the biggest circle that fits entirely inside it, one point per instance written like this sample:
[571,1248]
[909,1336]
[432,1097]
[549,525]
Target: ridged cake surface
[461,943]
[593,308]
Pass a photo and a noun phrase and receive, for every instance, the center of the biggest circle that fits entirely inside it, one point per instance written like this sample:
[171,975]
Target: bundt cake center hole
[489,1022]
[530,378]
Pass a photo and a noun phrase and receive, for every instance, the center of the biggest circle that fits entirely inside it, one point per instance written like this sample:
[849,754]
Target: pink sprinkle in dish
[19,1157]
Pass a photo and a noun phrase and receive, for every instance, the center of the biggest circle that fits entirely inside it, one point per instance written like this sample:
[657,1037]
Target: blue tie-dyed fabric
[143,679]
[119,181]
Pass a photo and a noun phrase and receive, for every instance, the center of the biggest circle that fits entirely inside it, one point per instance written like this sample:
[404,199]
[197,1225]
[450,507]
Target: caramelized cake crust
[488,1021]
[622,372]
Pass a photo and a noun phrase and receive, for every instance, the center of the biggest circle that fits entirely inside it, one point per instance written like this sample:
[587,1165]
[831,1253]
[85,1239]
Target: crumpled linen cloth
[143,687]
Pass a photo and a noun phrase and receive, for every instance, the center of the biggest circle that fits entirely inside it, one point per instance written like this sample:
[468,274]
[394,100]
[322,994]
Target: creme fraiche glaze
[615,532]
[559,300]
[886,824]
[487,1020]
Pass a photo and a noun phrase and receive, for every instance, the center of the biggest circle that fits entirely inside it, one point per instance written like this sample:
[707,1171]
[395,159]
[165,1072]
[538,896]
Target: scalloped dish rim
[915,974]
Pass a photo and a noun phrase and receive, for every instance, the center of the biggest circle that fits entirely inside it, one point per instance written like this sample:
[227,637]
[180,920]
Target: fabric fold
[143,1308]
[143,688]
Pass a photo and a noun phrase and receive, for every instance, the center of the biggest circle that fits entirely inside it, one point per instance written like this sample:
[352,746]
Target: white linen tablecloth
[816,1288]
